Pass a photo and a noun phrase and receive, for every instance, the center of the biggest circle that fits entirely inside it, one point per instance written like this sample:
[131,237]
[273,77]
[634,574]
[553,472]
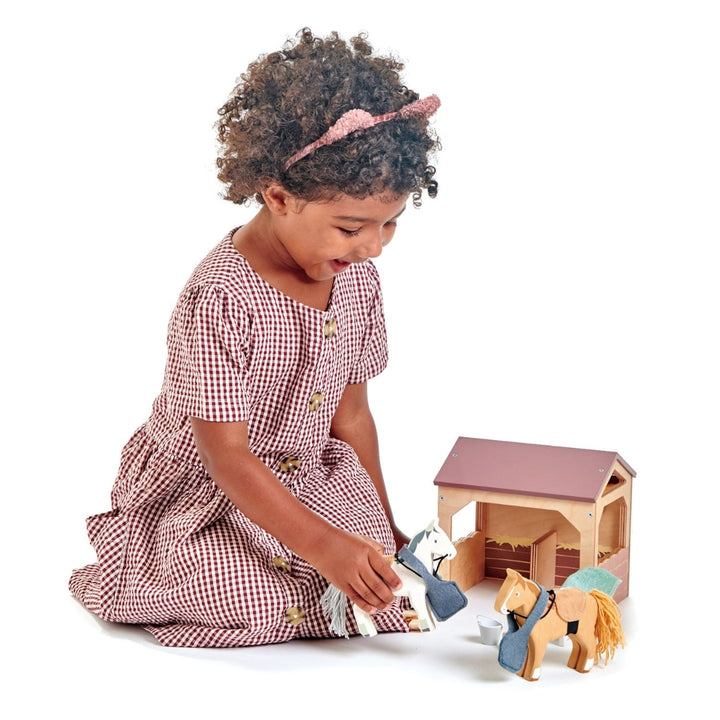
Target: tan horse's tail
[609,632]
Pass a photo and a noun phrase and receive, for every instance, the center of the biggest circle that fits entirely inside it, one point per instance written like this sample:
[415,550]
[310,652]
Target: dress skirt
[176,557]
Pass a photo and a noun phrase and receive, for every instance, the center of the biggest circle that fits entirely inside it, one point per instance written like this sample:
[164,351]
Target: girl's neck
[258,244]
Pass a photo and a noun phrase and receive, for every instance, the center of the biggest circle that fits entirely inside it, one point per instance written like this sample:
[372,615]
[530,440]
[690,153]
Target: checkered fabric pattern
[173,554]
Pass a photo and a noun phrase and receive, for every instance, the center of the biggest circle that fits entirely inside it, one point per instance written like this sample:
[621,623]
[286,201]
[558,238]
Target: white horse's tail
[334,607]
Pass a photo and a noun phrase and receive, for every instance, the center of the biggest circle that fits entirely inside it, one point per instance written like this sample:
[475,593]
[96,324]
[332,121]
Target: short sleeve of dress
[373,356]
[207,372]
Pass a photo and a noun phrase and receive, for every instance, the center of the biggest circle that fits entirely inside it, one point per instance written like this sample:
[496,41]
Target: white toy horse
[428,547]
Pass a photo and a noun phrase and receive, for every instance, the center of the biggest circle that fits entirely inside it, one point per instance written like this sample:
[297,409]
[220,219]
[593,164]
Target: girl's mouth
[339,265]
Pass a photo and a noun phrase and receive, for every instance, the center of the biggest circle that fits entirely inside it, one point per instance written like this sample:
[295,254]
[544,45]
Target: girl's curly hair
[288,99]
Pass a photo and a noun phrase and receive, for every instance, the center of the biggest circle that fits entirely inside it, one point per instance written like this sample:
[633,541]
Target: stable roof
[526,469]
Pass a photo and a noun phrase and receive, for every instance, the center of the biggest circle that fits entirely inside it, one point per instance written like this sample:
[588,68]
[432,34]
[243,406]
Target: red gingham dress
[174,554]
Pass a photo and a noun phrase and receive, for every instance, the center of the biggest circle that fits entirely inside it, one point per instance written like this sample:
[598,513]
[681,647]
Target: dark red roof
[524,469]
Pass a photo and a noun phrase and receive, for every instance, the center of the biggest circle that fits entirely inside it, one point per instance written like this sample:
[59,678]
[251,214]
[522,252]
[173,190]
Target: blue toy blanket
[514,645]
[444,597]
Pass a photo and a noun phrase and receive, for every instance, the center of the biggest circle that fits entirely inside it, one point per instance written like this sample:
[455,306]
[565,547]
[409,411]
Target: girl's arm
[352,563]
[353,423]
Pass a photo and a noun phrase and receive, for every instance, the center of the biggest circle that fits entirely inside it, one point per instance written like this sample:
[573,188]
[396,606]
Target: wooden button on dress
[330,328]
[294,615]
[290,464]
[282,564]
[316,400]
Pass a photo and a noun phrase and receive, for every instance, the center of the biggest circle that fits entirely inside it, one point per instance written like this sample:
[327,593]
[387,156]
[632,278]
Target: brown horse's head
[516,594]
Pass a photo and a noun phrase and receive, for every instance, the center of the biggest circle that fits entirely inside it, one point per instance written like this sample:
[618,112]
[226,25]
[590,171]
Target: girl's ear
[278,200]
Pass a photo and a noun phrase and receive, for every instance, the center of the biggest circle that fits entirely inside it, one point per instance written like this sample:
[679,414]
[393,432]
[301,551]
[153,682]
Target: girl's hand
[353,563]
[356,565]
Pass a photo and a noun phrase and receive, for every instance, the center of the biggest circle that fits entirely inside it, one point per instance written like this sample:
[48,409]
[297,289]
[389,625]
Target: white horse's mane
[422,535]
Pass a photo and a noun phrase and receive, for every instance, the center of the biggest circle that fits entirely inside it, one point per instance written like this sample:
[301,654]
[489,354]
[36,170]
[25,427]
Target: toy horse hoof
[367,630]
[588,665]
[366,627]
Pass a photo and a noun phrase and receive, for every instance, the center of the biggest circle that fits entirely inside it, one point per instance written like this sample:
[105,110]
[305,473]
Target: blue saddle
[514,645]
[444,597]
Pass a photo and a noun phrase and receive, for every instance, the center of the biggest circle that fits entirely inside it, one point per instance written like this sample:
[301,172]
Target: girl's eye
[351,233]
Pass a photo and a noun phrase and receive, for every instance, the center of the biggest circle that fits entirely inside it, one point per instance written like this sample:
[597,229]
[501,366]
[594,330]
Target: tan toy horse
[591,620]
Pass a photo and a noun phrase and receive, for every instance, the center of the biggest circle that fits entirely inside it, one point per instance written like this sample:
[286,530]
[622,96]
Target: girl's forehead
[373,207]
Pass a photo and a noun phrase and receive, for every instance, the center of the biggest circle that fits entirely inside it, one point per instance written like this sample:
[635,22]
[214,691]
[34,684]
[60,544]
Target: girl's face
[322,238]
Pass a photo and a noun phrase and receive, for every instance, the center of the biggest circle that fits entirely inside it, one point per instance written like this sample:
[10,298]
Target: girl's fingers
[383,569]
[366,599]
[370,583]
[360,601]
[375,590]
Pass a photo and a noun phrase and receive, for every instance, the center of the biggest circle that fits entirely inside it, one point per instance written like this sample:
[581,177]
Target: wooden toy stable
[544,511]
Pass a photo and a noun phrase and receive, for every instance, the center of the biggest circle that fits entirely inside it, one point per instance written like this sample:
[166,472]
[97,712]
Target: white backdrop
[562,288]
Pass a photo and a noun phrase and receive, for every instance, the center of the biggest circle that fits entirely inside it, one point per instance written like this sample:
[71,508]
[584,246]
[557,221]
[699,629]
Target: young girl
[256,480]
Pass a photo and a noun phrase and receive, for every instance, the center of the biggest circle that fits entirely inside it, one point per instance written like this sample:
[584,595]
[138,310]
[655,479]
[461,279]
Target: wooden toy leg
[425,620]
[365,623]
[533,663]
[584,642]
[582,657]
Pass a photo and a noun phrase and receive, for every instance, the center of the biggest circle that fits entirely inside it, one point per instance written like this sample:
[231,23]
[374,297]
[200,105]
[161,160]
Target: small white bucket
[490,630]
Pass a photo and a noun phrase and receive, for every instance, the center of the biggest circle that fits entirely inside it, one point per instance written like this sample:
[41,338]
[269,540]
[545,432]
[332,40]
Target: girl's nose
[372,244]
[371,247]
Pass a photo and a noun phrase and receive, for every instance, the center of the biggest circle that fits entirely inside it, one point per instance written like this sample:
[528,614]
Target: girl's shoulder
[224,270]
[220,265]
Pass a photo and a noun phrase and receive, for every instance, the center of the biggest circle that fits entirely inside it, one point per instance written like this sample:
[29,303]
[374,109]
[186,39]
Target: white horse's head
[433,542]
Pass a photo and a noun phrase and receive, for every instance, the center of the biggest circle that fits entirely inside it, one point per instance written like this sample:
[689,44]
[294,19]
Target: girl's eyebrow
[355,218]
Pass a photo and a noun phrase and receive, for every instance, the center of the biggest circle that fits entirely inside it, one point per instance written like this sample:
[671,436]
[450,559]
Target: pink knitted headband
[354,120]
